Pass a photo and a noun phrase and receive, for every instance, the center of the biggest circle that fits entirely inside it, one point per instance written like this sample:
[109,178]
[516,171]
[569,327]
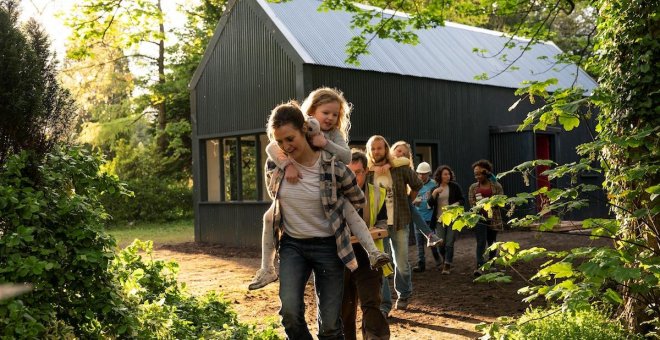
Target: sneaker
[419,268]
[477,273]
[386,315]
[263,277]
[401,304]
[378,259]
[446,269]
[434,240]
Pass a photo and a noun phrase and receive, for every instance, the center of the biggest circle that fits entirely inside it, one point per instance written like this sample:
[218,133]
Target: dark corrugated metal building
[265,53]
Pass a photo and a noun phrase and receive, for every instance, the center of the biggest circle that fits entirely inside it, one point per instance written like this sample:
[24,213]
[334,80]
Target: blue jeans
[398,242]
[485,238]
[449,235]
[420,239]
[298,259]
[418,220]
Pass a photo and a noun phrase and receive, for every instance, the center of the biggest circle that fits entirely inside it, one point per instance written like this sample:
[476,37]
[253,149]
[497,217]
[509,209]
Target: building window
[234,169]
[213,170]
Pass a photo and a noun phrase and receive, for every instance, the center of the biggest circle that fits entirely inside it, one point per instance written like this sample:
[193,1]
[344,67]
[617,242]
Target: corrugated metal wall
[508,150]
[454,115]
[247,75]
[232,224]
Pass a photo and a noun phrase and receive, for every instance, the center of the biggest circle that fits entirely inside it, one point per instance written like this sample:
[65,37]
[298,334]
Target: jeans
[298,259]
[402,271]
[449,235]
[418,220]
[485,238]
[365,284]
[420,239]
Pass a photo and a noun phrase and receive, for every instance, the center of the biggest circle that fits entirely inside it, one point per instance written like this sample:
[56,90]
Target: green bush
[552,324]
[159,195]
[165,310]
[51,235]
[51,228]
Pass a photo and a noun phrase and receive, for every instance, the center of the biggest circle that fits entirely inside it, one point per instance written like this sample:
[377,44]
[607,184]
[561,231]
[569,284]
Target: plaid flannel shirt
[402,177]
[496,222]
[337,185]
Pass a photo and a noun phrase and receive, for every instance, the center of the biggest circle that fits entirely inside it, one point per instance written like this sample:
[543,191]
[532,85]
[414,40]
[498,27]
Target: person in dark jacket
[448,192]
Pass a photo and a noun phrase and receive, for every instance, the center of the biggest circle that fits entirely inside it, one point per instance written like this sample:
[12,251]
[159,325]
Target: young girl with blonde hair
[328,122]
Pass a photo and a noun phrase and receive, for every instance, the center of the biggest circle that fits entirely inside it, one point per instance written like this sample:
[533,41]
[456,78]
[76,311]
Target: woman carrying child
[328,117]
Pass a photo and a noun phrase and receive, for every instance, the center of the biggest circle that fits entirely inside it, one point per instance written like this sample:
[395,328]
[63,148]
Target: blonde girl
[403,156]
[328,122]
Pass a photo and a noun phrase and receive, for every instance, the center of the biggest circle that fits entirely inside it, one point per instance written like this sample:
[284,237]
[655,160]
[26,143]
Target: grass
[159,232]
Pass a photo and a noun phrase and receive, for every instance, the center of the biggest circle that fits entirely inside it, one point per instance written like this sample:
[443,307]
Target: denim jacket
[337,185]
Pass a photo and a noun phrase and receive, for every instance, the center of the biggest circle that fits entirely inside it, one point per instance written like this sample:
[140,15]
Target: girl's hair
[482,163]
[283,114]
[324,95]
[370,157]
[408,148]
[437,175]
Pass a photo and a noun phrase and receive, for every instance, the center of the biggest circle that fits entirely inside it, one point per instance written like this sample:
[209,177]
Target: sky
[45,11]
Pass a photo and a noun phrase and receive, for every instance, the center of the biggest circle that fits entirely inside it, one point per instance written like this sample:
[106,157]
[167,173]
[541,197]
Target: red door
[542,152]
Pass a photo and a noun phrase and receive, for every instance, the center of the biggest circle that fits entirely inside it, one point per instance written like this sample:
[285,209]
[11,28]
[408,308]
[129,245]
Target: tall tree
[36,111]
[141,23]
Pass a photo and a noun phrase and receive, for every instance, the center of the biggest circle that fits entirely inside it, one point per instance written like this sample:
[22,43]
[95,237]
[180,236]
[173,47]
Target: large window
[234,169]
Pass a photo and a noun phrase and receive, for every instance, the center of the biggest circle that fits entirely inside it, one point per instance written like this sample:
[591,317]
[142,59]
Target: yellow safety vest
[375,201]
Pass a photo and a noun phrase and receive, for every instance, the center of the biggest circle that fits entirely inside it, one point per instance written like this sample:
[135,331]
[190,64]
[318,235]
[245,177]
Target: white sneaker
[434,240]
[263,277]
[378,259]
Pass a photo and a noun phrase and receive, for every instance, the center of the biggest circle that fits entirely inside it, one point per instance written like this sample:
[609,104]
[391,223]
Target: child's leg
[268,241]
[358,228]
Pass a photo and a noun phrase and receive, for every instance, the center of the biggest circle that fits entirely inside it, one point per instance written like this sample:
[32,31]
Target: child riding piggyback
[328,123]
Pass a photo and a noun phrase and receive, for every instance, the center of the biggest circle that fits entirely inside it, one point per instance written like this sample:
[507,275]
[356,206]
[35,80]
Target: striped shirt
[337,184]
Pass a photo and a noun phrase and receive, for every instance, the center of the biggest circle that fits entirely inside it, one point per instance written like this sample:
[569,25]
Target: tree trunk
[162,119]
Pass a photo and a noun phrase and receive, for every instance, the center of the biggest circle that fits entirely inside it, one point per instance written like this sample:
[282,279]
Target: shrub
[159,195]
[551,324]
[163,307]
[51,235]
[51,228]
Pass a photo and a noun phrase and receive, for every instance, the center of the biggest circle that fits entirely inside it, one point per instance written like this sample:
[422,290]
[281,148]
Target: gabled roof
[442,53]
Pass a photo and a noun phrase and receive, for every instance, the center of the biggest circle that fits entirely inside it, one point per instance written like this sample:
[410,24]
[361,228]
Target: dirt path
[442,306]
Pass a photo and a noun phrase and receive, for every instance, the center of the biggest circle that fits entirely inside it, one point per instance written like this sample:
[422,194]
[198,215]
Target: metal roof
[444,52]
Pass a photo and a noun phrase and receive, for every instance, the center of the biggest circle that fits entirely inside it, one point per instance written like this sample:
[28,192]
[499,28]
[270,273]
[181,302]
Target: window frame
[257,138]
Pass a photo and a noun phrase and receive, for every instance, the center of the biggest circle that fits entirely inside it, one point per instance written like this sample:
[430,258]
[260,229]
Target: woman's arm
[471,197]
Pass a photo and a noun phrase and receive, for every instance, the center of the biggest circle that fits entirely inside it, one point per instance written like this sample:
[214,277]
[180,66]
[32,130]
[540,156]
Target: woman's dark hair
[283,114]
[437,175]
[484,164]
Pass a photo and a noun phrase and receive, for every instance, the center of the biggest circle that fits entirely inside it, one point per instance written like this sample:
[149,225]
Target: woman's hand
[291,174]
[437,191]
[319,140]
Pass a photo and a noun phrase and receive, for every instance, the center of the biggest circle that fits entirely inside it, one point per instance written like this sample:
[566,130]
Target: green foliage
[550,324]
[51,235]
[164,309]
[51,228]
[35,111]
[158,194]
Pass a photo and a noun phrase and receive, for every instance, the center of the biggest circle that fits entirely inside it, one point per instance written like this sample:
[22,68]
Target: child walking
[328,120]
